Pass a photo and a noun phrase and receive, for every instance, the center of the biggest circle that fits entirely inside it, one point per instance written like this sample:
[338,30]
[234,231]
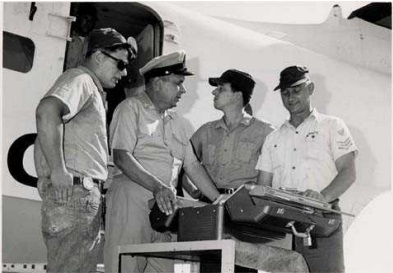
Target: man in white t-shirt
[71,152]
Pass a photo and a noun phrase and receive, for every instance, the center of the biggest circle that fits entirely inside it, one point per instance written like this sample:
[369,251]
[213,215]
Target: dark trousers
[327,254]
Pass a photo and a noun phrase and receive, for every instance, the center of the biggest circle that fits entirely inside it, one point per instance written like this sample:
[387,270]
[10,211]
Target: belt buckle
[88,183]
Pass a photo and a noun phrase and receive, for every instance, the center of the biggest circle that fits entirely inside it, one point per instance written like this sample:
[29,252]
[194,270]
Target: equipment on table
[252,214]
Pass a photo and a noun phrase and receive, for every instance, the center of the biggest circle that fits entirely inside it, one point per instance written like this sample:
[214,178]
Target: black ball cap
[292,76]
[241,79]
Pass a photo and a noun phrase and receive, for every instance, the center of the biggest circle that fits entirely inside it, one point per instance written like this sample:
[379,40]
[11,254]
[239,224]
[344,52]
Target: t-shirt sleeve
[268,128]
[265,160]
[184,131]
[190,157]
[197,140]
[74,92]
[341,140]
[124,127]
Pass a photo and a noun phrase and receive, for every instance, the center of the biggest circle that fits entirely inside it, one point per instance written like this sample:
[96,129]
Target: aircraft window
[18,52]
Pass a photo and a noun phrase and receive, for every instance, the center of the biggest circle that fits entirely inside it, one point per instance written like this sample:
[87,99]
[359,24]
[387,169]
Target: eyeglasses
[121,65]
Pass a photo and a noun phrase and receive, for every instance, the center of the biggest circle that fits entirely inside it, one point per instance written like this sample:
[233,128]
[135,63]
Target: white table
[189,251]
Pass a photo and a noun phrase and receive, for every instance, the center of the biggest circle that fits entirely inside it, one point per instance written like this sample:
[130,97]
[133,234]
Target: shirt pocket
[315,146]
[278,158]
[245,151]
[150,129]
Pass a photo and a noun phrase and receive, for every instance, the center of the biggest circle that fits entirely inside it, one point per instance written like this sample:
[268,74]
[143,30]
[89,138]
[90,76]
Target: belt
[226,190]
[87,182]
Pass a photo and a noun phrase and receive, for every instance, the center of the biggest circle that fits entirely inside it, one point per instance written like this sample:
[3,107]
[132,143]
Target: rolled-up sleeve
[190,157]
[197,139]
[124,127]
[73,93]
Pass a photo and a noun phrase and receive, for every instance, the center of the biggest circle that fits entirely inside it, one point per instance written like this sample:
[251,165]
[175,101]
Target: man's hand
[165,199]
[315,195]
[62,182]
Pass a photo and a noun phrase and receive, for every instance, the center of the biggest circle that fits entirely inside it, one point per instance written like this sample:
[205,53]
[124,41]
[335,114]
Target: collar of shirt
[94,77]
[313,115]
[148,104]
[246,120]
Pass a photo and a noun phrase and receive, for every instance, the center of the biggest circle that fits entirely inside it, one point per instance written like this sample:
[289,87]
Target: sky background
[291,12]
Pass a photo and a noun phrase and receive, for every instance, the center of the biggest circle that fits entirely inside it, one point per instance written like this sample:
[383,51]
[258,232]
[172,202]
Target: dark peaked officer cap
[292,76]
[172,63]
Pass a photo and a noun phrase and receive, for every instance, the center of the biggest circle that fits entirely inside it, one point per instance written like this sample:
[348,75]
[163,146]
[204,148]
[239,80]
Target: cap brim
[132,51]
[299,82]
[215,81]
[124,45]
[184,73]
[283,86]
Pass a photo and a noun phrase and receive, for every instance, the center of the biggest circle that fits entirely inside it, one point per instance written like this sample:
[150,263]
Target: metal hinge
[53,18]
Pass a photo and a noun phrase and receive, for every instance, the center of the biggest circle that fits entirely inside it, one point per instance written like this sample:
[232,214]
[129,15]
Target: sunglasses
[121,65]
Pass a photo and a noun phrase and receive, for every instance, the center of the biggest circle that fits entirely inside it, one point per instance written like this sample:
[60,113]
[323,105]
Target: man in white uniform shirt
[314,154]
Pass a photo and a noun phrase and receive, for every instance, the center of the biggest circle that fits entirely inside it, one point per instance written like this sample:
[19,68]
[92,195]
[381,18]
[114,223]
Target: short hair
[246,94]
[239,81]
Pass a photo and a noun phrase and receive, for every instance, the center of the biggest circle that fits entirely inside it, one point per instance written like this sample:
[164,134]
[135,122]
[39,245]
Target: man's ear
[156,83]
[97,56]
[239,95]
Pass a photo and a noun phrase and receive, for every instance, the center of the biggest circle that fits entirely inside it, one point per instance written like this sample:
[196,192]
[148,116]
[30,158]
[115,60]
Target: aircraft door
[48,26]
[34,39]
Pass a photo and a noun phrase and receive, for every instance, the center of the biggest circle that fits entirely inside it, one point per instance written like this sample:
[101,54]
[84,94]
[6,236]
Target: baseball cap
[107,38]
[292,76]
[240,79]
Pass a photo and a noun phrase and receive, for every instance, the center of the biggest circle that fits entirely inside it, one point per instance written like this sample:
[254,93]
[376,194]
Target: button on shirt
[304,157]
[85,135]
[230,156]
[160,143]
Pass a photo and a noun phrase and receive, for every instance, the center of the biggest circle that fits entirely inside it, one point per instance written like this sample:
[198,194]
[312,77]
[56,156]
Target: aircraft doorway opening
[130,19]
